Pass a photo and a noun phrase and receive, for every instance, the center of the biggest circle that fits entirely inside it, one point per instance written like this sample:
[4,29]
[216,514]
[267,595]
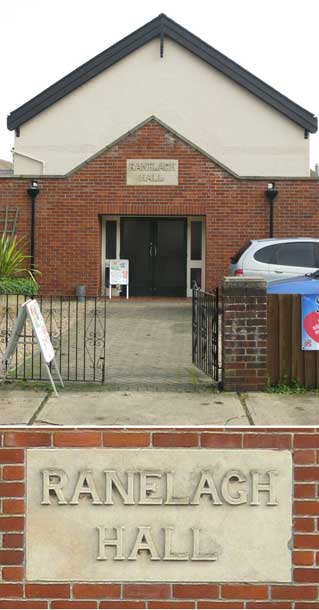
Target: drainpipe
[33,192]
[271,195]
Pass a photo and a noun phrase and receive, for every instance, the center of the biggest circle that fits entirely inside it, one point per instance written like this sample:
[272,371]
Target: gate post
[244,334]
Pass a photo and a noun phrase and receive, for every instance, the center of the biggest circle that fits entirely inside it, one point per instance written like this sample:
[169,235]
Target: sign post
[119,274]
[32,310]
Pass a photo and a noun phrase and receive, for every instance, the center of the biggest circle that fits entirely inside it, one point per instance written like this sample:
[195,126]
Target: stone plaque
[182,515]
[152,172]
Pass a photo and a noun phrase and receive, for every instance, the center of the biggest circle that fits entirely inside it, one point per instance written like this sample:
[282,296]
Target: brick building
[158,150]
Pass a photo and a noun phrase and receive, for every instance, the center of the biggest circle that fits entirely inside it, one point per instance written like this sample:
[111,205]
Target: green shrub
[18,285]
[12,259]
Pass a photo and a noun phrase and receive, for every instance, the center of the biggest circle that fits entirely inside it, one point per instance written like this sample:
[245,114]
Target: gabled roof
[162,26]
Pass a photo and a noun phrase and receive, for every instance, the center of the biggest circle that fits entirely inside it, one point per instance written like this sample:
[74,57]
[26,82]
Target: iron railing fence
[205,332]
[77,331]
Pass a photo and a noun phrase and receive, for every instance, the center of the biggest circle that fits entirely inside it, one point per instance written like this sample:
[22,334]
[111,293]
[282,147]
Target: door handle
[151,249]
[155,250]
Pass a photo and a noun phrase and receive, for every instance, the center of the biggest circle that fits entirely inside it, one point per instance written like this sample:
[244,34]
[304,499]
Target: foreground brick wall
[68,230]
[244,334]
[303,592]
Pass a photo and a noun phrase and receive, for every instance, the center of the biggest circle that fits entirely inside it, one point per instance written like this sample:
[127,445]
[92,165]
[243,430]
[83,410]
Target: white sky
[43,40]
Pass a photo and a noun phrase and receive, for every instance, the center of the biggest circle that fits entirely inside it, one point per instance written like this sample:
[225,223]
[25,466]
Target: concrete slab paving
[91,407]
[142,408]
[283,409]
[18,406]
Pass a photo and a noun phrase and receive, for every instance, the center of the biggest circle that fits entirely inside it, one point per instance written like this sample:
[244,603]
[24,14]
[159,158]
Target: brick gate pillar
[244,334]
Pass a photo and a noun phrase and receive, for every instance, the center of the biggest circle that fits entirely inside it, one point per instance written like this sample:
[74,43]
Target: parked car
[276,258]
[305,284]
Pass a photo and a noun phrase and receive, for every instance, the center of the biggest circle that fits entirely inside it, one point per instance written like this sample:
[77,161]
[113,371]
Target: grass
[293,388]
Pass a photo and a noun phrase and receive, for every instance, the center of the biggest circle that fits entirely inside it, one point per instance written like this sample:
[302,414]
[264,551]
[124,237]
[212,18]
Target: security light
[33,190]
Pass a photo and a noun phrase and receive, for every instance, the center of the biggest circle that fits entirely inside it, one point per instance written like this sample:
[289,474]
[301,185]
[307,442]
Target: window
[267,254]
[110,246]
[110,239]
[196,277]
[196,240]
[195,253]
[296,254]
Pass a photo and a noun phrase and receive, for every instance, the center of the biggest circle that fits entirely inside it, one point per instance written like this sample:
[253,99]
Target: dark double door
[156,250]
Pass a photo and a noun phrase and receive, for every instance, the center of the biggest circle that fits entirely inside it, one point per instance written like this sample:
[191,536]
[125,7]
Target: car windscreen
[234,259]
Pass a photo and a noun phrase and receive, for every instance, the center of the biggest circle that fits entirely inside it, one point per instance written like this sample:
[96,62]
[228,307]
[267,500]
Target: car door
[293,258]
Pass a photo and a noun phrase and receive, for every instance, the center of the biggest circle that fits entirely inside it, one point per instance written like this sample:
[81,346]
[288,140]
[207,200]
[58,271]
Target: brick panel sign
[158,515]
[217,501]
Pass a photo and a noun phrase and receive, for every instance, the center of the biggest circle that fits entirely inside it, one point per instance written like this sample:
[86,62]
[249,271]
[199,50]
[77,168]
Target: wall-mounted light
[33,191]
[271,194]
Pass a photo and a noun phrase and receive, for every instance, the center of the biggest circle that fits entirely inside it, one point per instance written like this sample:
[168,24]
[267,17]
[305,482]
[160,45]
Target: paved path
[101,407]
[149,346]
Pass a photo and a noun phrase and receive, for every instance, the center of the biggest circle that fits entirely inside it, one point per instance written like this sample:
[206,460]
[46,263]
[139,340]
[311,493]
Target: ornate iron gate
[77,331]
[205,347]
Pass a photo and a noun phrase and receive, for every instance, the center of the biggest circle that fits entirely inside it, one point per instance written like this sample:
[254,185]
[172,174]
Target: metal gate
[205,331]
[77,332]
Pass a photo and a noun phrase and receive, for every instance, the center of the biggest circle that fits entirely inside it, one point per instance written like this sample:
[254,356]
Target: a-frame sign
[30,309]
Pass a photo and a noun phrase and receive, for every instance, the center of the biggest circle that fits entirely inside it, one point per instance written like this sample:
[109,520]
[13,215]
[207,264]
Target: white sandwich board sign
[32,310]
[119,274]
[40,330]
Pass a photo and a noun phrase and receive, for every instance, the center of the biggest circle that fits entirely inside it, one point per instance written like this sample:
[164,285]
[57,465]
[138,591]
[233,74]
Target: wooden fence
[287,362]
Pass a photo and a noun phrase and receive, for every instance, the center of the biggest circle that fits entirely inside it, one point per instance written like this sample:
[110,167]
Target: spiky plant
[12,258]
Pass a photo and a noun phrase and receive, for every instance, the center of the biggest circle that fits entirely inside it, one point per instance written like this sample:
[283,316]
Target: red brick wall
[68,233]
[303,592]
[244,335]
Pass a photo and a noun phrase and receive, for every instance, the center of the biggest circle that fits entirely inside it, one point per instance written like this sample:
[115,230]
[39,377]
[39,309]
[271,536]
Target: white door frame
[199,264]
[104,261]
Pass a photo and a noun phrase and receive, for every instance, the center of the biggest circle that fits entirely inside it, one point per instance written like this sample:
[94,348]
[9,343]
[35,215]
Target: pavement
[101,407]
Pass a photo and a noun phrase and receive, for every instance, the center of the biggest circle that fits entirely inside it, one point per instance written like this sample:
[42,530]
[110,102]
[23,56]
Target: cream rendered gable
[204,106]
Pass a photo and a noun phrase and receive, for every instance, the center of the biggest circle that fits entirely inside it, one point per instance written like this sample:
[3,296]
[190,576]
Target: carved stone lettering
[240,497]
[144,542]
[152,172]
[85,486]
[158,515]
[117,542]
[146,485]
[113,482]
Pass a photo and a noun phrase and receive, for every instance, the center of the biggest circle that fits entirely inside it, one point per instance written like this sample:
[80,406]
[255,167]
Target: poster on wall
[310,322]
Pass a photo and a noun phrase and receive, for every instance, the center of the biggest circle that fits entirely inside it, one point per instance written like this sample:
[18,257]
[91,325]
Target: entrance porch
[166,254]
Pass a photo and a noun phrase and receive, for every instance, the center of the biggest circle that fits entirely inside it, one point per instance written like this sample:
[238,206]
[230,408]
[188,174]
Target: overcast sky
[42,40]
